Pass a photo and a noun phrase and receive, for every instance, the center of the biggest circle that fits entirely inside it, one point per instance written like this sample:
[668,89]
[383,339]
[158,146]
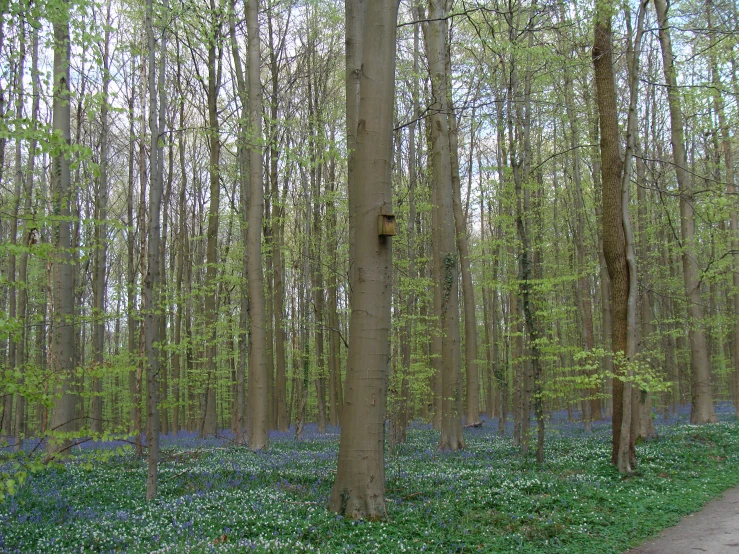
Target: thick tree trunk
[702,404]
[445,248]
[359,489]
[614,241]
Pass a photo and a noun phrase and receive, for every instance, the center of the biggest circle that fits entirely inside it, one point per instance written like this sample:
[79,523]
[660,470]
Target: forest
[388,275]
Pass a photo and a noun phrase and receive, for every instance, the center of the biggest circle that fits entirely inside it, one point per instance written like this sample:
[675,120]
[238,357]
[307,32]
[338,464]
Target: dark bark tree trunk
[614,236]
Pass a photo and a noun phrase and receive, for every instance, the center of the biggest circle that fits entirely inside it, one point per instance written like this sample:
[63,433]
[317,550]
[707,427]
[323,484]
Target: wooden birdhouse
[386,225]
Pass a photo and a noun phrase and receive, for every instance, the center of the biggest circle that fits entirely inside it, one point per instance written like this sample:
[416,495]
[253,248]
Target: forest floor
[715,529]
[215,496]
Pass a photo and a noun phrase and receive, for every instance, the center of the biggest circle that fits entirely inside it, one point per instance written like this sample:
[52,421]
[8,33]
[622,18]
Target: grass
[217,497]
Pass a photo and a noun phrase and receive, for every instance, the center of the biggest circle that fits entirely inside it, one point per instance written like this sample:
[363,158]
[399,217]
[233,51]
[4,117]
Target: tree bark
[614,240]
[152,277]
[62,345]
[445,248]
[210,418]
[359,489]
[258,407]
[702,404]
[101,245]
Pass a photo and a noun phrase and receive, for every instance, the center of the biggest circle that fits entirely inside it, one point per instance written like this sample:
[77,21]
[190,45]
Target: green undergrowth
[485,498]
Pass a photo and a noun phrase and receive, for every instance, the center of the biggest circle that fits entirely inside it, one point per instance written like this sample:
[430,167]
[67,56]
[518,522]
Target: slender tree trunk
[28,235]
[472,413]
[62,345]
[702,404]
[210,420]
[731,188]
[584,305]
[101,245]
[15,342]
[152,278]
[336,401]
[131,267]
[257,326]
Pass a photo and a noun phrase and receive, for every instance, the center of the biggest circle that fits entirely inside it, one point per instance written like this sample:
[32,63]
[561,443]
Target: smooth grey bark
[258,408]
[62,344]
[445,247]
[359,489]
[702,404]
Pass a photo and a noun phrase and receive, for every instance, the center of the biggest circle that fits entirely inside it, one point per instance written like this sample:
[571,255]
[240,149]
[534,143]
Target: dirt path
[715,529]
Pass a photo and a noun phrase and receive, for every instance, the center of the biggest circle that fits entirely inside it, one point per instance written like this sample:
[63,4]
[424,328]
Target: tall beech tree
[359,489]
[62,342]
[446,259]
[258,405]
[702,405]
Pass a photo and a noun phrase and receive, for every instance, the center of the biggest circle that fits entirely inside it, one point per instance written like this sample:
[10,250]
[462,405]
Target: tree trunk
[152,277]
[101,245]
[278,212]
[62,345]
[28,233]
[445,248]
[15,342]
[359,489]
[702,404]
[210,419]
[472,413]
[258,407]
[614,240]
